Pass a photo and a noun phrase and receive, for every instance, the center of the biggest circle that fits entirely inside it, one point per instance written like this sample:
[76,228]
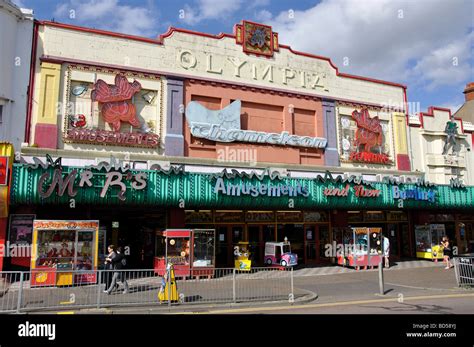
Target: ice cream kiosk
[362,247]
[190,251]
[64,252]
[428,241]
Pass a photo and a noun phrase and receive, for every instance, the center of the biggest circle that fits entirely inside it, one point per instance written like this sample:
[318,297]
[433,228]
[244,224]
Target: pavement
[407,289]
[332,270]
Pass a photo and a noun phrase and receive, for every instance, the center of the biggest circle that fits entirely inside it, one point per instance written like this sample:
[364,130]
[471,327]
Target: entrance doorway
[316,237]
[399,237]
[227,236]
[258,234]
[295,234]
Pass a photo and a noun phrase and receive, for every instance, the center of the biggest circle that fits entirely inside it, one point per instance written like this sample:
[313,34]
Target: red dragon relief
[115,101]
[369,131]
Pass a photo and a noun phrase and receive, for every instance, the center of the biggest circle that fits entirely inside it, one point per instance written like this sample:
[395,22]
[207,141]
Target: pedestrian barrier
[464,270]
[20,292]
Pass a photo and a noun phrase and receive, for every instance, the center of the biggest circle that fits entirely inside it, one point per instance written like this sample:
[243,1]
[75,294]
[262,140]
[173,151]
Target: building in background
[466,111]
[441,146]
[16,31]
[236,133]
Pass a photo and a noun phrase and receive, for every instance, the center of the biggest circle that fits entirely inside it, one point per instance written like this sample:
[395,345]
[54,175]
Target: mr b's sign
[70,183]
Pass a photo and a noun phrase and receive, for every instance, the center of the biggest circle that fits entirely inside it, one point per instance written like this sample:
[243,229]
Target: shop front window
[354,216]
[394,216]
[405,241]
[444,217]
[229,217]
[254,242]
[393,238]
[260,216]
[237,234]
[192,216]
[314,216]
[268,233]
[374,216]
[310,231]
[469,229]
[204,248]
[221,246]
[323,240]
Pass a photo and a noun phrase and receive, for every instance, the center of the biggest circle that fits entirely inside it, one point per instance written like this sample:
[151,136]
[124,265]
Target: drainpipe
[31,82]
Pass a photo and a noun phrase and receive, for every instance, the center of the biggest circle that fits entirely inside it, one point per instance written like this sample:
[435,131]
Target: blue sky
[425,44]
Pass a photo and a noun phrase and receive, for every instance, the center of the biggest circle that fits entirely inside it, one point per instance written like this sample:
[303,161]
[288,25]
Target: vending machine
[428,241]
[190,251]
[361,247]
[64,252]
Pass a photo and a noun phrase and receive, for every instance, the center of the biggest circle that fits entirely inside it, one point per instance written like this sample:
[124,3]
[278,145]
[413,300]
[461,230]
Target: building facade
[16,31]
[236,133]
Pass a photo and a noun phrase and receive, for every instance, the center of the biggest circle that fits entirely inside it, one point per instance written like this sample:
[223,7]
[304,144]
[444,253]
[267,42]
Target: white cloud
[411,42]
[454,105]
[263,16]
[259,3]
[447,65]
[108,15]
[210,9]
[218,9]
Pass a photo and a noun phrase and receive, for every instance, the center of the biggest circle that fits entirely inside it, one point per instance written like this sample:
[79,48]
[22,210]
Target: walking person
[109,266]
[121,262]
[447,252]
[386,250]
[118,262]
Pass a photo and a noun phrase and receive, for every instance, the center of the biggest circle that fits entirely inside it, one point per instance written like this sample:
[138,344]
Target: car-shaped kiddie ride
[279,253]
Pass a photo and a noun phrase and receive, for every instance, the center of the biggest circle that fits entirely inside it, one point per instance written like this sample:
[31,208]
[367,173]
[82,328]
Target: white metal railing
[464,270]
[106,288]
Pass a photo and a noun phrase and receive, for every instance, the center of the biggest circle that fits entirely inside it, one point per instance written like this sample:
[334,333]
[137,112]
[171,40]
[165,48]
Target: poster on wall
[21,228]
[102,241]
[20,234]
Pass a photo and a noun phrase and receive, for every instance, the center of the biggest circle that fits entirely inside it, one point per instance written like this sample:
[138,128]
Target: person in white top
[386,250]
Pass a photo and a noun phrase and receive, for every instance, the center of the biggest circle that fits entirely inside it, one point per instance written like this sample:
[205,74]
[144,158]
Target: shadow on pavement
[419,308]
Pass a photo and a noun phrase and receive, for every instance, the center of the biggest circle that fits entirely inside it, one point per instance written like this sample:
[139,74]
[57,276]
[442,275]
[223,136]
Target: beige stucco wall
[427,148]
[157,112]
[194,55]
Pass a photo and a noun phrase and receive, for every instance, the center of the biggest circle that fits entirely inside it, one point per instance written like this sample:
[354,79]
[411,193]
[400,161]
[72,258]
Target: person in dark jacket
[109,266]
[118,263]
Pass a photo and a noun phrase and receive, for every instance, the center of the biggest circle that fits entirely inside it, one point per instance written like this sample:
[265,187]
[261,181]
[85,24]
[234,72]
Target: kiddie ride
[279,253]
[241,256]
